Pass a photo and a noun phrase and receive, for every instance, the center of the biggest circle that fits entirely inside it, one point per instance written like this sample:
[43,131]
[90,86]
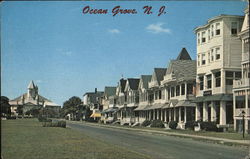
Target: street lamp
[243,122]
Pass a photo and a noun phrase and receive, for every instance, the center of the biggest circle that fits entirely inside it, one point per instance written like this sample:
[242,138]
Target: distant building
[32,99]
[93,99]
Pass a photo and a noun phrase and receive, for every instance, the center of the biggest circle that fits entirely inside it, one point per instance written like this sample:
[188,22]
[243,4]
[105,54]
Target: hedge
[55,124]
[173,124]
[157,124]
[146,123]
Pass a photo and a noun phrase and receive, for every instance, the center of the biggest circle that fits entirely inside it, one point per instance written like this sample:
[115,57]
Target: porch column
[166,115]
[174,114]
[179,114]
[197,112]
[205,112]
[222,113]
[185,114]
[213,112]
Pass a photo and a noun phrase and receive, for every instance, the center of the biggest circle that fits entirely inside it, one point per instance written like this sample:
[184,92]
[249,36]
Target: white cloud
[157,28]
[114,31]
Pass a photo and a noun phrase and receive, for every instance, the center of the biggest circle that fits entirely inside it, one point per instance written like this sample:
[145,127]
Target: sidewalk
[206,138]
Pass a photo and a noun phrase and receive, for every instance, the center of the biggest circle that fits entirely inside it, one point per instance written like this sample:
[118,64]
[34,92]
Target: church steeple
[183,55]
[32,90]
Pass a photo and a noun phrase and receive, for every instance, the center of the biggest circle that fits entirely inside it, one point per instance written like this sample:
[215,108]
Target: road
[158,146]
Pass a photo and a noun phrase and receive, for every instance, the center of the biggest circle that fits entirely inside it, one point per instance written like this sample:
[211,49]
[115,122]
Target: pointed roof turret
[183,55]
[31,85]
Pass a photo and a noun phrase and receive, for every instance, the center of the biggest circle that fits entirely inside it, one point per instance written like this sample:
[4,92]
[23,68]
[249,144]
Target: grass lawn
[27,139]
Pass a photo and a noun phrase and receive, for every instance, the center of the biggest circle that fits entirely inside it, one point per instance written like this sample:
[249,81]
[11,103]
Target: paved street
[159,146]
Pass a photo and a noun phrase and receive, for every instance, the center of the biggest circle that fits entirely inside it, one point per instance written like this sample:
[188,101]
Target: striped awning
[95,115]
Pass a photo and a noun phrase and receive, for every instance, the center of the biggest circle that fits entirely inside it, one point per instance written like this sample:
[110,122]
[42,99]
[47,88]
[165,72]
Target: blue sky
[67,53]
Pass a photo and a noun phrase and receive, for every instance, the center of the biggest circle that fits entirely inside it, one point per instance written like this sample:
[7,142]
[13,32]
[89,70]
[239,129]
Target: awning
[217,97]
[95,115]
[185,103]
[167,105]
[142,107]
[155,106]
[199,99]
[112,109]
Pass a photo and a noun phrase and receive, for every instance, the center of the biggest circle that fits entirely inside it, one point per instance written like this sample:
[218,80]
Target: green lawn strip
[225,135]
[27,139]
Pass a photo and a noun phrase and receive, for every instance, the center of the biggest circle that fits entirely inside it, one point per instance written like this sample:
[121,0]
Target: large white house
[218,64]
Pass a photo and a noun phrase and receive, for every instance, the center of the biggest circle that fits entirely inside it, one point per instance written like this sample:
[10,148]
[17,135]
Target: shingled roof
[182,69]
[145,80]
[159,73]
[183,55]
[109,91]
[133,83]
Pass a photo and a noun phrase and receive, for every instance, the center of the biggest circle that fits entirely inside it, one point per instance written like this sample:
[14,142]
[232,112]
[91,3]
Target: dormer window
[212,54]
[198,38]
[212,31]
[234,28]
[208,34]
[217,29]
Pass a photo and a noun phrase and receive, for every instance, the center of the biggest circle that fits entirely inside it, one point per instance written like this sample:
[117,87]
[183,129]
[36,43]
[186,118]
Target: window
[189,88]
[217,53]
[172,91]
[203,59]
[168,93]
[240,101]
[183,89]
[229,77]
[209,81]
[201,82]
[246,45]
[177,90]
[208,34]
[217,79]
[208,57]
[198,38]
[198,60]
[234,28]
[212,31]
[203,38]
[159,94]
[212,54]
[217,29]
[237,75]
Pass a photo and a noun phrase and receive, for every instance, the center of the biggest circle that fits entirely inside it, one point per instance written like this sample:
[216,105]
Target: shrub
[43,119]
[191,125]
[157,124]
[11,117]
[173,124]
[146,123]
[208,126]
[55,124]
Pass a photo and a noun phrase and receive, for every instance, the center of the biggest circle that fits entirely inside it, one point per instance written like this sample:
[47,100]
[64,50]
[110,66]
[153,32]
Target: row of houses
[215,87]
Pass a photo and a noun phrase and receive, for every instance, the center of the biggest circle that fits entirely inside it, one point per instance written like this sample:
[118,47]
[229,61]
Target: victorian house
[33,100]
[179,86]
[156,94]
[241,87]
[109,105]
[218,64]
[131,91]
[143,90]
[121,98]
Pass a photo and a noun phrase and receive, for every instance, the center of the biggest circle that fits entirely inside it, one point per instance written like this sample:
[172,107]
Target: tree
[71,106]
[5,106]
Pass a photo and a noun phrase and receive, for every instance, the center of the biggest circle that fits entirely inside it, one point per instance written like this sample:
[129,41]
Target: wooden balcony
[241,83]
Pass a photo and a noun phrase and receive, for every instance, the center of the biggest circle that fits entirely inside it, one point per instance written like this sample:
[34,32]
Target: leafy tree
[71,106]
[5,106]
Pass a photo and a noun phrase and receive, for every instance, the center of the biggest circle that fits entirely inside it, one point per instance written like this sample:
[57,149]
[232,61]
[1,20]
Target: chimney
[95,90]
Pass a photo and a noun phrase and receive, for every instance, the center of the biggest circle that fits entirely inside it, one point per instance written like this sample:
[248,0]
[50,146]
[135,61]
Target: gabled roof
[109,91]
[122,84]
[31,85]
[183,55]
[159,73]
[133,83]
[145,79]
[182,69]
